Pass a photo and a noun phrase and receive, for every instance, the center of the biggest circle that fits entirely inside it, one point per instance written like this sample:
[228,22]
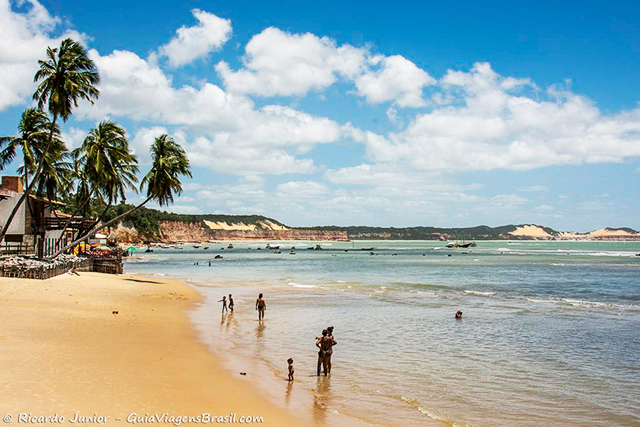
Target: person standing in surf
[224,304]
[330,343]
[261,306]
[321,352]
[230,303]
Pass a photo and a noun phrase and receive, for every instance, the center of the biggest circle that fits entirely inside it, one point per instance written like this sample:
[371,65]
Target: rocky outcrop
[179,231]
[123,233]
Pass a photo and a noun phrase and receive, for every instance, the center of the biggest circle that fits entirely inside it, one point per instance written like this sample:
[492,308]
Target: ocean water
[550,333]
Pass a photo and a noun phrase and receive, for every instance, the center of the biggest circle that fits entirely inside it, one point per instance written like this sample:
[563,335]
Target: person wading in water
[261,306]
[324,343]
[330,343]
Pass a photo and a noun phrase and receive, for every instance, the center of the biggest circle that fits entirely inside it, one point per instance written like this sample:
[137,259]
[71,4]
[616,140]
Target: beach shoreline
[428,369]
[117,347]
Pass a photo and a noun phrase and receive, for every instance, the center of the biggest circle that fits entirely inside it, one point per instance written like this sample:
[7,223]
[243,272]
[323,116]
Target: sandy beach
[66,352]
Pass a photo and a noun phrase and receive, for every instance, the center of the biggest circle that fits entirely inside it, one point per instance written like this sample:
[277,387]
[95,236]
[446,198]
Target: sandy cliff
[177,231]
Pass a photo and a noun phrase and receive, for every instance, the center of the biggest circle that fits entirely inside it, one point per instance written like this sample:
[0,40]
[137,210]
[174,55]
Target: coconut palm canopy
[169,163]
[163,181]
[33,133]
[66,77]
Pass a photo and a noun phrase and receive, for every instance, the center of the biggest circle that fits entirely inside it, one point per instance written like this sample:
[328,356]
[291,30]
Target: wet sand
[65,351]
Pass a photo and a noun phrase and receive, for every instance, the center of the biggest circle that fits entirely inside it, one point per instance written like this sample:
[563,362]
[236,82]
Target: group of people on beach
[324,343]
[261,305]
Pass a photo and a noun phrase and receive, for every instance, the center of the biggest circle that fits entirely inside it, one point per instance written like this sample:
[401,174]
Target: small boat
[461,245]
[218,257]
[367,249]
[292,253]
[230,246]
[196,246]
[206,247]
[149,249]
[273,247]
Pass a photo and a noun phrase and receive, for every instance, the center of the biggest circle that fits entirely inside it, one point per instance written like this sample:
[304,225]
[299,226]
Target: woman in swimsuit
[330,343]
[261,306]
[322,353]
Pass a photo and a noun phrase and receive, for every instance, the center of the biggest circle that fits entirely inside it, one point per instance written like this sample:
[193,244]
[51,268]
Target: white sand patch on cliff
[530,231]
[272,225]
[241,226]
[224,226]
[611,233]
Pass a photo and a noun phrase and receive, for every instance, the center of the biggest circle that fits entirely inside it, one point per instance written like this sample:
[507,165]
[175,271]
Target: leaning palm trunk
[78,209]
[96,222]
[100,227]
[33,181]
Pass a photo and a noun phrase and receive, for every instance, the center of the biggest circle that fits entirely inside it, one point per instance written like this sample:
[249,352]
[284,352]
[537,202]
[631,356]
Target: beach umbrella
[131,248]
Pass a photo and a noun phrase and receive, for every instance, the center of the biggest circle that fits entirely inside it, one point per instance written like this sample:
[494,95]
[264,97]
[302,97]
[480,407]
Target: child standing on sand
[231,303]
[290,362]
[224,304]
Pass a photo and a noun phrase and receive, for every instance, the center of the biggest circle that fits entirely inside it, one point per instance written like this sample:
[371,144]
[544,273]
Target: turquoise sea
[550,333]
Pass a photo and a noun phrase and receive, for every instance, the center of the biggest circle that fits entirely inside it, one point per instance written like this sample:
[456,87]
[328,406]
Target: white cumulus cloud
[25,36]
[191,43]
[304,189]
[277,63]
[393,79]
[493,125]
[226,132]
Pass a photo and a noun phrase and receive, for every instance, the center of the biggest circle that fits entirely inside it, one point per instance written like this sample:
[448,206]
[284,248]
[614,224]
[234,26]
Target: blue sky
[364,113]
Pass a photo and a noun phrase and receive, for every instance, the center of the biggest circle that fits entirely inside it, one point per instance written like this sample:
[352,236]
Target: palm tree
[163,182]
[67,76]
[107,165]
[56,177]
[33,129]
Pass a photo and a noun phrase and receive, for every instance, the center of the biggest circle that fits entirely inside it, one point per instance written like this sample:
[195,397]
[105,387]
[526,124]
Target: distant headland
[158,226]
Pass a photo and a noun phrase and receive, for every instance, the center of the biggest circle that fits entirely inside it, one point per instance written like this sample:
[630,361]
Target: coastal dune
[107,346]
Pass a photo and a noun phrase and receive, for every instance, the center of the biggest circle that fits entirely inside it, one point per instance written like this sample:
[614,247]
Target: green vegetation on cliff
[146,220]
[481,232]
